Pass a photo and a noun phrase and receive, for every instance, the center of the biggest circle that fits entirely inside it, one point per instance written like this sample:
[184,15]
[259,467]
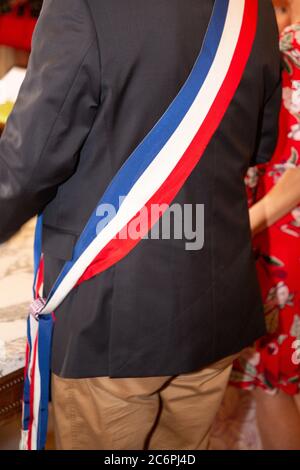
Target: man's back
[116,67]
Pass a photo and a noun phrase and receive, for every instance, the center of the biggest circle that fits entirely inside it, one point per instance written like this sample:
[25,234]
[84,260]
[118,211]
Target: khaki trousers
[160,413]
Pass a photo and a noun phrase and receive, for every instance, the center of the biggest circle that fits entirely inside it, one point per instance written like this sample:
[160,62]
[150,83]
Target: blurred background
[17,22]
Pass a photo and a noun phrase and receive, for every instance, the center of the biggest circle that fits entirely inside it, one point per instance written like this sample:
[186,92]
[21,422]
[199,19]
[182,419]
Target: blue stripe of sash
[37,249]
[26,396]
[44,353]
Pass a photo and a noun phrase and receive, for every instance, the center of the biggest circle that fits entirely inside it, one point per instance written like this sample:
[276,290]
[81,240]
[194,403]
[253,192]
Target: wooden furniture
[11,391]
[10,57]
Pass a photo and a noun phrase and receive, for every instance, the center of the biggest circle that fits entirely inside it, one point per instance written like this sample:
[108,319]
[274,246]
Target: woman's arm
[282,198]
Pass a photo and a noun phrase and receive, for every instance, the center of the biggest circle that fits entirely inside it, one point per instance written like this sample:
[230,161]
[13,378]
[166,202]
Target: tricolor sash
[153,174]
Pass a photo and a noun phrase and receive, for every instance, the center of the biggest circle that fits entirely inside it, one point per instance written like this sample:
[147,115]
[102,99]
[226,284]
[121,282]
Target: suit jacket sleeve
[269,119]
[54,112]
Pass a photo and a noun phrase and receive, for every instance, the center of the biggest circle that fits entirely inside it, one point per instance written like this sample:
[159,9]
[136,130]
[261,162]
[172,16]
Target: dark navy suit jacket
[101,74]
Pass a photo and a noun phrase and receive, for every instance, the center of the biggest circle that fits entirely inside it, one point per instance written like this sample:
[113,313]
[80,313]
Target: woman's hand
[281,200]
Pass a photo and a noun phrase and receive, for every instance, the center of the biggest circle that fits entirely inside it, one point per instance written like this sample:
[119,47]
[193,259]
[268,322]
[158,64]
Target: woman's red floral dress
[274,363]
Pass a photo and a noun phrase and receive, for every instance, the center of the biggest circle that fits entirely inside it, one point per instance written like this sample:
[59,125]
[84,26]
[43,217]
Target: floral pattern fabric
[274,362]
